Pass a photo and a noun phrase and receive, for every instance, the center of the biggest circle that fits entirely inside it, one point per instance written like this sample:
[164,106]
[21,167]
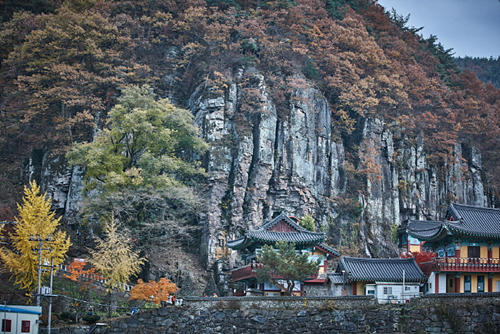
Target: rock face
[268,158]
[265,162]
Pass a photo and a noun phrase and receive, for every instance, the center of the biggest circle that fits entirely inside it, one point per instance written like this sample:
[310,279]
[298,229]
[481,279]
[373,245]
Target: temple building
[281,228]
[467,244]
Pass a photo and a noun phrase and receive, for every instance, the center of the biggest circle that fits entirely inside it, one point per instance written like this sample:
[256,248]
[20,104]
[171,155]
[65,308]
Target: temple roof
[424,229]
[381,270]
[336,278]
[327,249]
[460,220]
[280,228]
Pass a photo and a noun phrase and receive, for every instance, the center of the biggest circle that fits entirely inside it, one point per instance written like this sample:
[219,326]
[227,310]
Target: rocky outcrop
[263,162]
[266,158]
[62,183]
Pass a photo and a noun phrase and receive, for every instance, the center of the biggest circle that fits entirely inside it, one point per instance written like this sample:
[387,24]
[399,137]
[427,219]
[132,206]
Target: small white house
[388,280]
[20,318]
[393,292]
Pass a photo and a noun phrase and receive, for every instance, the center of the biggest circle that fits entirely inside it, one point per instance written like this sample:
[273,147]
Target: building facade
[467,244]
[20,318]
[388,280]
[281,228]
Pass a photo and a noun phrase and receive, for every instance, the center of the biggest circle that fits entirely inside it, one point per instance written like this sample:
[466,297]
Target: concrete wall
[450,313]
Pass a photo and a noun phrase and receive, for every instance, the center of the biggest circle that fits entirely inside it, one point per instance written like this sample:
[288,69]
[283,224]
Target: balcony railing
[465,264]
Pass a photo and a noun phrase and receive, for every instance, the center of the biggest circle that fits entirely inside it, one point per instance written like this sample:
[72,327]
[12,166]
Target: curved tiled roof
[295,237]
[329,249]
[473,220]
[336,278]
[381,270]
[460,219]
[263,234]
[424,229]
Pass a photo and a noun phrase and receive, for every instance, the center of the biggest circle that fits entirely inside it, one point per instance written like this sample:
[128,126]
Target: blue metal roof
[17,310]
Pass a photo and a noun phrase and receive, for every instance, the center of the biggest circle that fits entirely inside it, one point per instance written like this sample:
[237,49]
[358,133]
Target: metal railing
[463,264]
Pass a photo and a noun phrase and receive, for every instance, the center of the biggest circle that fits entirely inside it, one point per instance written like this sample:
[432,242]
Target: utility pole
[40,248]
[49,320]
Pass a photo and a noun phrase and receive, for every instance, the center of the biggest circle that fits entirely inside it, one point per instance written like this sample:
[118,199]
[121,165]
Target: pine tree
[307,222]
[35,219]
[284,265]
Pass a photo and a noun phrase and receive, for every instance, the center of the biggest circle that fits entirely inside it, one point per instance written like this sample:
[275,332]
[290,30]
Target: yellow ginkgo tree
[35,221]
[114,259]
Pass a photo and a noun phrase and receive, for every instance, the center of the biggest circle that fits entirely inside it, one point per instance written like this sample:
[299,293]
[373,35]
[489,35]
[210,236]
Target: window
[467,283]
[25,326]
[480,283]
[371,292]
[407,288]
[474,251]
[387,290]
[451,282]
[6,325]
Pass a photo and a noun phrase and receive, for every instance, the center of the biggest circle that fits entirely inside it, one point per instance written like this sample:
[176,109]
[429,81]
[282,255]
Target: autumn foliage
[420,257]
[152,291]
[37,226]
[63,71]
[77,271]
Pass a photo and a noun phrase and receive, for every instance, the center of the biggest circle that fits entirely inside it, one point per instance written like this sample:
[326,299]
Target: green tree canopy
[284,265]
[148,144]
[307,222]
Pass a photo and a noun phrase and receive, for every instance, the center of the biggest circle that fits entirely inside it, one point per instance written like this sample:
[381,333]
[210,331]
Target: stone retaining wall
[475,313]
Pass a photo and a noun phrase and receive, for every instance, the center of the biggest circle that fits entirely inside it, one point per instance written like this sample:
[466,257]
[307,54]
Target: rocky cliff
[267,162]
[290,159]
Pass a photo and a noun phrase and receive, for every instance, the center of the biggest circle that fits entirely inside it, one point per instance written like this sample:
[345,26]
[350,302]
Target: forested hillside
[486,69]
[354,72]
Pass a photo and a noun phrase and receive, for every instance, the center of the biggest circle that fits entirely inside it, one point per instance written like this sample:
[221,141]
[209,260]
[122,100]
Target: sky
[470,27]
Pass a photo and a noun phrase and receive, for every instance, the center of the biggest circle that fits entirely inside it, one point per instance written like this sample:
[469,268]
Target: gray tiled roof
[262,234]
[329,249]
[460,219]
[473,220]
[336,278]
[381,270]
[295,237]
[424,229]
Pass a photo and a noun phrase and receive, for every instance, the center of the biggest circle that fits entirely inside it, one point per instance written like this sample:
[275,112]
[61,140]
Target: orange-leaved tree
[152,291]
[77,271]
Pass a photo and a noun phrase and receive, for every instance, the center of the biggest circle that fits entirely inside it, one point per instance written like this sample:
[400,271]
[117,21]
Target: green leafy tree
[307,222]
[35,219]
[284,265]
[147,144]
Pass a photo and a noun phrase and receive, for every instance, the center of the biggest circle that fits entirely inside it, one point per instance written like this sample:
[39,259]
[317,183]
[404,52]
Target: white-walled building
[20,318]
[388,280]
